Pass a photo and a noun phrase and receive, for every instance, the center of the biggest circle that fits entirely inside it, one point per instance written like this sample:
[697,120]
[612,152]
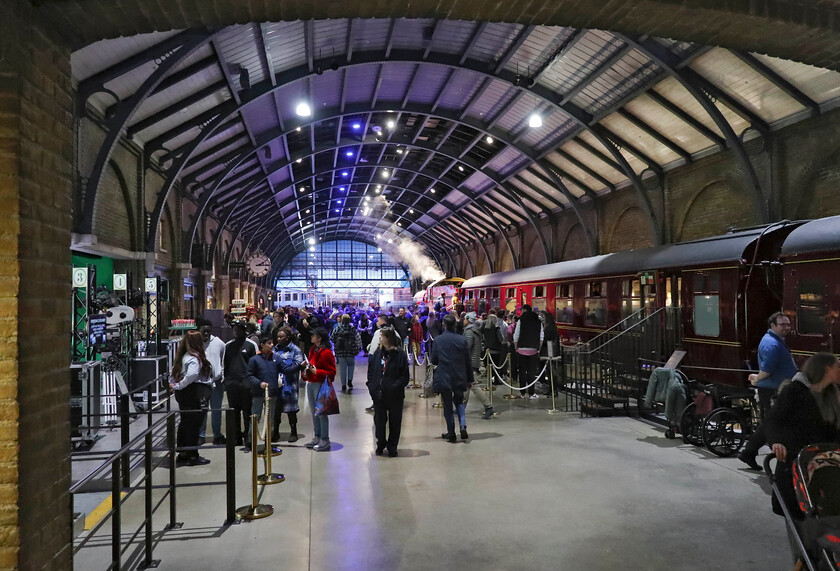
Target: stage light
[303,110]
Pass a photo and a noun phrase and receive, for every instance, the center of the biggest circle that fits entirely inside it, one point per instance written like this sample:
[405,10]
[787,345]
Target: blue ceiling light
[357,126]
[349,153]
[344,173]
[340,188]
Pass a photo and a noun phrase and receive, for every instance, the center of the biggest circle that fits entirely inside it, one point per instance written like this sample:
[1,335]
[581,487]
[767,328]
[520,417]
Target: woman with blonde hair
[192,382]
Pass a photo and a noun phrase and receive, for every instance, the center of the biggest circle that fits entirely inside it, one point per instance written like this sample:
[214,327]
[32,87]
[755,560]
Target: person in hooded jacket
[386,380]
[474,336]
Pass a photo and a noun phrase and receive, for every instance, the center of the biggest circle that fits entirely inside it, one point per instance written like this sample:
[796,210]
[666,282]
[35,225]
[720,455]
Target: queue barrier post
[269,477]
[510,395]
[255,510]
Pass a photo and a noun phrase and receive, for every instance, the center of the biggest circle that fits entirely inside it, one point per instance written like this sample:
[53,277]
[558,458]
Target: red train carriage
[721,289]
[811,258]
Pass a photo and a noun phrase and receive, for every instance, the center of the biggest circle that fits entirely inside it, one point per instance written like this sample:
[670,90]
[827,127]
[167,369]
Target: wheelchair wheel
[724,432]
[691,427]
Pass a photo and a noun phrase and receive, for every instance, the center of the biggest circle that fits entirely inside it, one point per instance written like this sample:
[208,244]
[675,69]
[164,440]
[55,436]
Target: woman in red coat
[321,368]
[415,334]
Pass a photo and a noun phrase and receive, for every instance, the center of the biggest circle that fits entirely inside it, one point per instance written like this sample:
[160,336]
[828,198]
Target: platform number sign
[80,277]
[120,282]
[151,285]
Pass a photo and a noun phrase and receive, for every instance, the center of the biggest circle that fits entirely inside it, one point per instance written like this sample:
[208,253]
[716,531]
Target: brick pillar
[36,157]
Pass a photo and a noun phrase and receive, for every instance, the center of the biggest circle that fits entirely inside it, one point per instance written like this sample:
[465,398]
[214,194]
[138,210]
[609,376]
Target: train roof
[814,236]
[726,248]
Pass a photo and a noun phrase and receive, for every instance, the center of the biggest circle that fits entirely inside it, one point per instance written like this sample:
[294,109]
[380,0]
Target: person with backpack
[346,343]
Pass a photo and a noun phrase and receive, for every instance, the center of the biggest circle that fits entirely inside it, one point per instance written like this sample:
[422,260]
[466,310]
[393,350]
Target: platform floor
[529,490]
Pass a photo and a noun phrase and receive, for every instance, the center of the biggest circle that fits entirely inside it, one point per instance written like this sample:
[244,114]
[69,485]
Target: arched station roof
[422,127]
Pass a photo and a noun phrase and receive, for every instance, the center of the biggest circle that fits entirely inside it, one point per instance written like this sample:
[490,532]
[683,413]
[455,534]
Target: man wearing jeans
[214,350]
[452,377]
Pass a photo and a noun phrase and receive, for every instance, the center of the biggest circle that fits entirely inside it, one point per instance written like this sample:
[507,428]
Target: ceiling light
[379,249]
[312,240]
[535,121]
[299,161]
[366,211]
[298,129]
[433,191]
[385,173]
[398,224]
[303,110]
[344,173]
[411,211]
[390,241]
[307,211]
[339,202]
[399,151]
[378,189]
[337,211]
[340,188]
[489,140]
[312,249]
[357,126]
[460,168]
[390,124]
[349,153]
[378,236]
[311,264]
[302,189]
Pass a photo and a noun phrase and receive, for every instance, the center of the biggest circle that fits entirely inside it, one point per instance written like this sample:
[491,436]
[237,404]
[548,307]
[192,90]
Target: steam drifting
[407,252]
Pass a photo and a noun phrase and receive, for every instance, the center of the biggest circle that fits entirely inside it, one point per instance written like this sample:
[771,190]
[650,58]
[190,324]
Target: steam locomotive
[721,290]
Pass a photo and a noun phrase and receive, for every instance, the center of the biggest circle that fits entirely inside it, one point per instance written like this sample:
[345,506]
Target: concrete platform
[528,490]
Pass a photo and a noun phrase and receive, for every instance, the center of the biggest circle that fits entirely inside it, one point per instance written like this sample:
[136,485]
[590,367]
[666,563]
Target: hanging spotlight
[460,168]
[384,173]
[357,126]
[349,153]
[312,240]
[390,124]
[433,191]
[489,140]
[303,109]
[535,121]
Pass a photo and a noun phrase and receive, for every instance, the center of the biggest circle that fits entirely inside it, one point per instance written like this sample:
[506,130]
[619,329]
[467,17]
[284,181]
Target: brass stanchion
[275,450]
[255,510]
[553,409]
[413,384]
[510,395]
[269,477]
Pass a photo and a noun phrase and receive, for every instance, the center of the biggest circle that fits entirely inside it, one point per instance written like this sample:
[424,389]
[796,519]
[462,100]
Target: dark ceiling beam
[379,78]
[605,65]
[505,109]
[773,77]
[514,47]
[533,219]
[124,111]
[411,82]
[599,155]
[158,52]
[443,87]
[174,109]
[699,88]
[309,44]
[389,42]
[475,96]
[564,48]
[177,77]
[655,134]
[620,142]
[678,112]
[265,52]
[479,29]
[435,29]
[545,180]
[593,173]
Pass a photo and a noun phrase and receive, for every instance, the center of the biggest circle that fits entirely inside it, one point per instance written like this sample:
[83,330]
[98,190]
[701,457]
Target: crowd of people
[277,353]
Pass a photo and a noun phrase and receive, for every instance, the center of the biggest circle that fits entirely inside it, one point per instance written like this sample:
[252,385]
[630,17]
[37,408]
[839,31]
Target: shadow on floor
[484,435]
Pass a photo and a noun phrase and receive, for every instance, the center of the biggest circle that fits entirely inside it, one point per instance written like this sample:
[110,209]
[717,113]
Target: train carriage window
[564,304]
[707,305]
[482,293]
[495,293]
[596,303]
[538,298]
[471,294]
[510,298]
[631,297]
[810,308]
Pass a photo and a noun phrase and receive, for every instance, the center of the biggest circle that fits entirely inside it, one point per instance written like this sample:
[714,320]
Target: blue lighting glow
[340,188]
[357,126]
[344,173]
[349,153]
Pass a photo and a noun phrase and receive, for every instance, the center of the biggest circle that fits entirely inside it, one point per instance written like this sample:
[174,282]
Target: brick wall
[36,128]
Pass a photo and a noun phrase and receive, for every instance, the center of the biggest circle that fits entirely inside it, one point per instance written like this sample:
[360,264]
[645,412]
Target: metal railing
[116,466]
[610,376]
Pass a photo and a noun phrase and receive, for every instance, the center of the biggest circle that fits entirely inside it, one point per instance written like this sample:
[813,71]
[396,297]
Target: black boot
[294,435]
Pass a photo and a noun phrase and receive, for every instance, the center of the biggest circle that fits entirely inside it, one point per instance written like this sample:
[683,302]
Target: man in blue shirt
[775,365]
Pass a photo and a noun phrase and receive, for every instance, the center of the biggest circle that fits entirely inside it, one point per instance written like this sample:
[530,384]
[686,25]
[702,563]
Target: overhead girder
[701,90]
[288,161]
[579,116]
[177,51]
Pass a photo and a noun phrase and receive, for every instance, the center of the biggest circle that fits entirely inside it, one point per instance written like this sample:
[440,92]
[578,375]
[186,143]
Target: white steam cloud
[405,251]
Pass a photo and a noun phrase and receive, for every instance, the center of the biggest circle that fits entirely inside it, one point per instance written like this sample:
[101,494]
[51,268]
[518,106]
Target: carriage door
[671,283]
[524,296]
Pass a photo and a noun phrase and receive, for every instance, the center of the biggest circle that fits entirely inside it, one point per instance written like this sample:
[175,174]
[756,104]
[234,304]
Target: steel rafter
[687,119]
[699,89]
[779,81]
[124,111]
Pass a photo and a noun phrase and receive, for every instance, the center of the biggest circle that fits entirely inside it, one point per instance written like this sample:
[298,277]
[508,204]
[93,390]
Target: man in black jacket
[453,376]
[386,380]
[238,352]
[527,341]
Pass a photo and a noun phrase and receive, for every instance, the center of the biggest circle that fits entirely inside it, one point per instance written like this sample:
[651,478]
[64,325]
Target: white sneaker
[535,396]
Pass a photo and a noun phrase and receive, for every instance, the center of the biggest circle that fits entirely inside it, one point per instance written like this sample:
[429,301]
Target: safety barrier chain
[487,355]
[534,382]
[417,358]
